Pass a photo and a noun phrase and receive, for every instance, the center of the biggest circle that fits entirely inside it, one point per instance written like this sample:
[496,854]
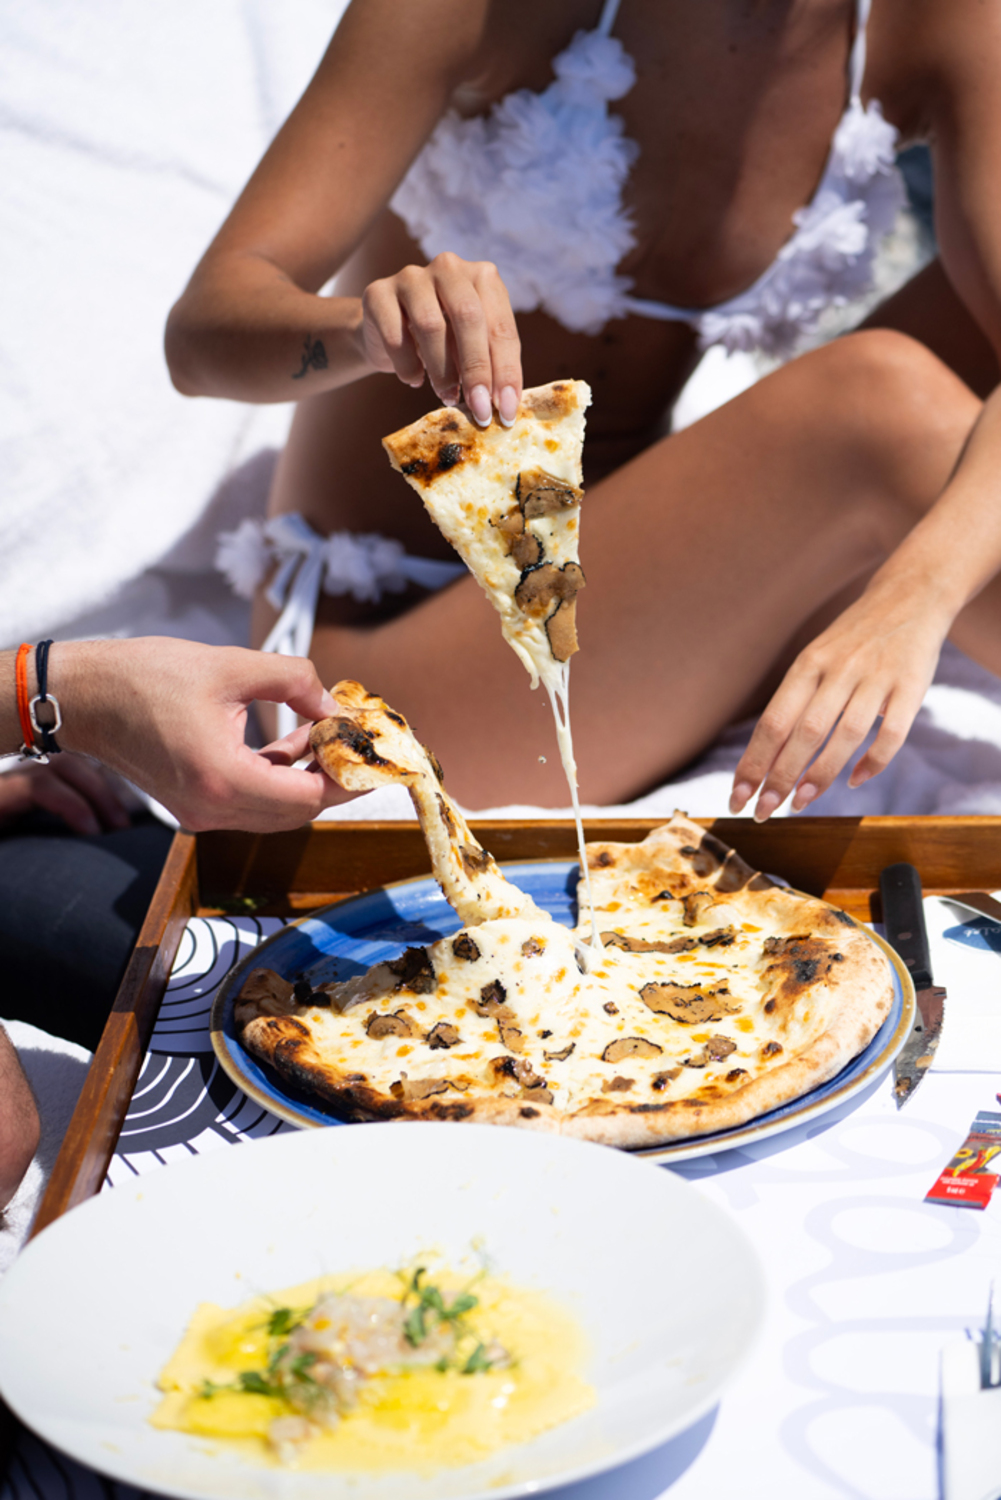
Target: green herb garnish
[256,1384]
[477,1361]
[282,1321]
[431,1308]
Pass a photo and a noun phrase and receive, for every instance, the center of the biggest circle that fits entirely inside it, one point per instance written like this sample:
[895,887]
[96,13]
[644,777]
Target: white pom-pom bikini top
[536,186]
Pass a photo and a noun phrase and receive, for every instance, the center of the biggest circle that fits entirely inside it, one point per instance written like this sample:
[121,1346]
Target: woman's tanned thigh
[704,556]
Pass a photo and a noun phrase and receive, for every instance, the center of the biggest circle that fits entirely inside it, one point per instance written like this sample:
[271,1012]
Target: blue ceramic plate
[349,938]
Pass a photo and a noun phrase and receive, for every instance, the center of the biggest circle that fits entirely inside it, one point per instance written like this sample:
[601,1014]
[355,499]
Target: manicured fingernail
[767,803]
[328,705]
[739,795]
[804,794]
[507,405]
[479,405]
[856,779]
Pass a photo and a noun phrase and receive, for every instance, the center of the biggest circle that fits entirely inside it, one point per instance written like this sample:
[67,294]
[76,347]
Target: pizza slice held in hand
[367,745]
[508,500]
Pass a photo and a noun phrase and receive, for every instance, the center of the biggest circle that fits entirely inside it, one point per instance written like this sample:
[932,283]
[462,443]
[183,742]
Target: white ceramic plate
[94,1306]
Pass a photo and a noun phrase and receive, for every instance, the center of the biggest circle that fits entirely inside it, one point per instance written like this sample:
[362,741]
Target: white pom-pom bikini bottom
[365,565]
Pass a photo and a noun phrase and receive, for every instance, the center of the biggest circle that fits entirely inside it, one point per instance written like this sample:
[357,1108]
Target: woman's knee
[895,389]
[904,414]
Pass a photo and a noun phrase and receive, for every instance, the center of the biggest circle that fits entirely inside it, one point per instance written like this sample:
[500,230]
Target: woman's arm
[250,325]
[878,659]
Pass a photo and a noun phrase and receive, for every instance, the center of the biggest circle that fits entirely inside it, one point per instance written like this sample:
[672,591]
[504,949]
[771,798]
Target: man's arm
[170,716]
[19,1123]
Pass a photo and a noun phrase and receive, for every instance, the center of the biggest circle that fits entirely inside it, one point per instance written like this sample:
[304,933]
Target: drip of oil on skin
[557,685]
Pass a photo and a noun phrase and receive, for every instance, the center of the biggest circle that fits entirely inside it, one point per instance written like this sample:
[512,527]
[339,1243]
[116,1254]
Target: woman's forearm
[955,549]
[244,331]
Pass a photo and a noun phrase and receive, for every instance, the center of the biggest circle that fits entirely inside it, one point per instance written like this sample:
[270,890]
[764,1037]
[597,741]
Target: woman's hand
[451,319]
[70,786]
[875,661]
[170,716]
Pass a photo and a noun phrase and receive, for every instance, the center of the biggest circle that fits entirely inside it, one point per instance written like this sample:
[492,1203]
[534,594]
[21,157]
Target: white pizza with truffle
[717,995]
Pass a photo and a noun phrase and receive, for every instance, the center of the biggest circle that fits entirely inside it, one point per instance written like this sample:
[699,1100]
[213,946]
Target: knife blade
[980,902]
[904,924]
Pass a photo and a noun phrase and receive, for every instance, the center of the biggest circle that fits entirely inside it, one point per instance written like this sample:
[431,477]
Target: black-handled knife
[904,924]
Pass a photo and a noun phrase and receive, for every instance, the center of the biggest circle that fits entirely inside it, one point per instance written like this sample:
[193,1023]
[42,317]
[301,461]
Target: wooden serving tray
[233,874]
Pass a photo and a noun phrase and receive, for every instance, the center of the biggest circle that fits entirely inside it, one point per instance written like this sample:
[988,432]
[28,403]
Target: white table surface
[867,1281]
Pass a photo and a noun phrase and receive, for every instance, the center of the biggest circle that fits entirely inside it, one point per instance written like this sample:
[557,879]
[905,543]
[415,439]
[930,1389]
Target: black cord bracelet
[45,715]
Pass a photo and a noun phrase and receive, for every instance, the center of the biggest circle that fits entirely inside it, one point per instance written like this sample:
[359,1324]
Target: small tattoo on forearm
[314,357]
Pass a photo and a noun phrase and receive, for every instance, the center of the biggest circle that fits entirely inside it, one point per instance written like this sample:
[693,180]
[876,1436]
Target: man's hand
[70,786]
[170,715]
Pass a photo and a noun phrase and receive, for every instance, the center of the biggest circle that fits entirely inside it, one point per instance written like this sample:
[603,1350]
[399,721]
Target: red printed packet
[966,1182]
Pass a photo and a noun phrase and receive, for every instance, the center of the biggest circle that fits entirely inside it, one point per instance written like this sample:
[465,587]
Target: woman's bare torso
[734,109]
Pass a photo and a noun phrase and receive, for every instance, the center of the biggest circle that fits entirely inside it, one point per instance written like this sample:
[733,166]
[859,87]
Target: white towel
[55,1070]
[126,132]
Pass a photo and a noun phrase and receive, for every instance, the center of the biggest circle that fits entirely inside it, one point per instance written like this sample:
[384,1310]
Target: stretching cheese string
[557,685]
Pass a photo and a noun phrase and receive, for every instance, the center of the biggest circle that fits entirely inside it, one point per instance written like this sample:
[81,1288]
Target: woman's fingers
[813,747]
[857,718]
[898,717]
[452,318]
[386,333]
[505,383]
[423,297]
[771,732]
[826,711]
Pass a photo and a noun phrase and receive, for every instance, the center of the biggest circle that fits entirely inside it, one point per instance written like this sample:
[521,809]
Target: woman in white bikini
[596,191]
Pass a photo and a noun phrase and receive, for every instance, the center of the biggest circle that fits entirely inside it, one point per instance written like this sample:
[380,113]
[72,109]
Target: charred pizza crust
[723,997]
[366,745]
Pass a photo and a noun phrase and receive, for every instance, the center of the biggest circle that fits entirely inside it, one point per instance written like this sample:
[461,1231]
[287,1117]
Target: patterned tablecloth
[867,1281]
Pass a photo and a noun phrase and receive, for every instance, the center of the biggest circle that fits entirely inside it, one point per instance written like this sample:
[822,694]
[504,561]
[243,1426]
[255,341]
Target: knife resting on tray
[904,924]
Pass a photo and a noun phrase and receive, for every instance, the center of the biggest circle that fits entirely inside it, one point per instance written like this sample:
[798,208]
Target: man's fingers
[93,784]
[286,679]
[57,796]
[15,794]
[286,751]
[267,798]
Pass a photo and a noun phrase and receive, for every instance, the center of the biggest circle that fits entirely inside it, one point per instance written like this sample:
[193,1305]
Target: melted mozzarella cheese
[554,1006]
